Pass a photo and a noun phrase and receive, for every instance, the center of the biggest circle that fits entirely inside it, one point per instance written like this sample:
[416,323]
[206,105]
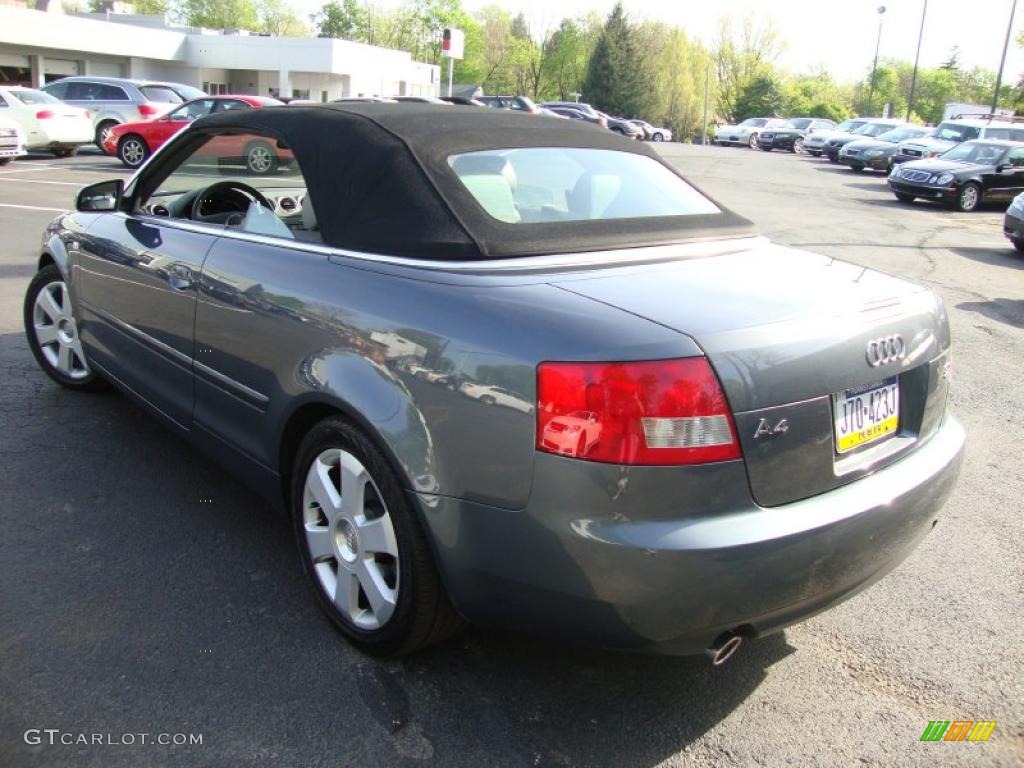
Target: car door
[160,130]
[250,318]
[1002,181]
[137,277]
[1015,175]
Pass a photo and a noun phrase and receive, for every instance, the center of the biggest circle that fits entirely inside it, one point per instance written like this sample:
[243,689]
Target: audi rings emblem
[887,349]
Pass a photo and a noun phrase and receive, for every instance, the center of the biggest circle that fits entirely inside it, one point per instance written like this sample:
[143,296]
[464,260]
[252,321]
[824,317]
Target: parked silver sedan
[513,371]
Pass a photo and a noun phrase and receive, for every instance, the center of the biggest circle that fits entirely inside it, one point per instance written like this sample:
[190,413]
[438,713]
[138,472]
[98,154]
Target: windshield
[954,132]
[557,184]
[902,134]
[755,122]
[29,96]
[979,152]
[161,94]
[849,125]
[874,129]
[801,122]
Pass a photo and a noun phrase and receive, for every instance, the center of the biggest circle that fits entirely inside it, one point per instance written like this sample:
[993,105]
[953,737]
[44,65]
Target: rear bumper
[577,562]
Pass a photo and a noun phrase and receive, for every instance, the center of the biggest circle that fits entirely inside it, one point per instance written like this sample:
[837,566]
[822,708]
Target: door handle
[181,278]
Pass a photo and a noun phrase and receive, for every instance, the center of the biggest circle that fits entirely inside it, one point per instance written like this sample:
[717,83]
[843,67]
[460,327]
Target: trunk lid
[786,331]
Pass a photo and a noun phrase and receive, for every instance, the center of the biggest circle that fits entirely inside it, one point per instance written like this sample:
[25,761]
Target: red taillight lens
[45,114]
[148,110]
[647,413]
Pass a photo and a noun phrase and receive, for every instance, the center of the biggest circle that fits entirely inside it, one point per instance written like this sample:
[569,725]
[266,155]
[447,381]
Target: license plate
[866,414]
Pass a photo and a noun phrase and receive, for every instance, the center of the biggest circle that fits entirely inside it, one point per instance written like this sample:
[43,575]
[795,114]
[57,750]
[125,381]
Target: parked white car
[11,142]
[747,131]
[47,123]
[492,395]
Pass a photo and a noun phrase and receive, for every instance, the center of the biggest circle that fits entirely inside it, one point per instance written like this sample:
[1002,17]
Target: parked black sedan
[792,136]
[965,176]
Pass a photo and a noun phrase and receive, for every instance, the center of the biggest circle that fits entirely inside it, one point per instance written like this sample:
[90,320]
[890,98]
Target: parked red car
[134,142]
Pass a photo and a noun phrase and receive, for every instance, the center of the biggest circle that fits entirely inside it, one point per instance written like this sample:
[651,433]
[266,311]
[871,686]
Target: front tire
[798,146]
[52,332]
[1018,244]
[362,546]
[968,199]
[752,142]
[657,137]
[65,152]
[903,197]
[132,150]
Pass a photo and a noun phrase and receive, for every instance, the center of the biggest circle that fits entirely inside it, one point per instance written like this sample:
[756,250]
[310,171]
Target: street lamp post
[874,67]
[913,78]
[1002,61]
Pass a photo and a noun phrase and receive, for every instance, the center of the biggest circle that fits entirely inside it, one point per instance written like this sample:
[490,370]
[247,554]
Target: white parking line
[32,207]
[40,181]
[13,171]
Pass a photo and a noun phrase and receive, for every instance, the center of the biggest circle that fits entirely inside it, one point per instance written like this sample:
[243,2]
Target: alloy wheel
[752,142]
[969,197]
[132,152]
[351,539]
[259,159]
[798,146]
[57,333]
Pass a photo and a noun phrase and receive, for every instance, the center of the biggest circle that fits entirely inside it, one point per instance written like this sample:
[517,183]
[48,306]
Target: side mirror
[1001,167]
[103,196]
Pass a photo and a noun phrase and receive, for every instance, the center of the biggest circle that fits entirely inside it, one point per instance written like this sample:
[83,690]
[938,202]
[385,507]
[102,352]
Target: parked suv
[949,133]
[116,100]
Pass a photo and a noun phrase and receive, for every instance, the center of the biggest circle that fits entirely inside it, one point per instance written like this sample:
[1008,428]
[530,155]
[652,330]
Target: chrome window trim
[619,256]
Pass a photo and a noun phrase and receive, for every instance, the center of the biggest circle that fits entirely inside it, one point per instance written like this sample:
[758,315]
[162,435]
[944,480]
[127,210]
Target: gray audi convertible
[511,371]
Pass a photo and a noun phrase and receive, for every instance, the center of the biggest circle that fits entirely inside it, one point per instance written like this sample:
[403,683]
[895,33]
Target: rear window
[30,96]
[554,184]
[160,94]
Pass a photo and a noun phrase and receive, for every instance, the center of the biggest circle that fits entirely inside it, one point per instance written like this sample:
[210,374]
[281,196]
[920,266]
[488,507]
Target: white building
[37,47]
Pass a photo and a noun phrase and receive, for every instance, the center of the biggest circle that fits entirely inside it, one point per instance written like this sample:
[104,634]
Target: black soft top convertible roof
[379,180]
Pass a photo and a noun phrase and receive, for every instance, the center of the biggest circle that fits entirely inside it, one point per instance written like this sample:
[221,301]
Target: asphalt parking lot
[146,592]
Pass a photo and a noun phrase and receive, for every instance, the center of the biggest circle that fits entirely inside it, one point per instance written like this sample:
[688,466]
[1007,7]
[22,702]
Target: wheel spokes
[46,334]
[47,302]
[377,536]
[321,486]
[319,540]
[353,484]
[381,597]
[346,594]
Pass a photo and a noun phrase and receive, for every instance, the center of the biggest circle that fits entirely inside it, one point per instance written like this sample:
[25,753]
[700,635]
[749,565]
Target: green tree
[219,14]
[145,7]
[761,97]
[345,20]
[613,80]
[742,53]
[277,18]
[567,53]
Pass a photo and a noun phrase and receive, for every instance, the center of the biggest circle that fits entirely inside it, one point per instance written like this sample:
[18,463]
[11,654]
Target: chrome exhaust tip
[723,648]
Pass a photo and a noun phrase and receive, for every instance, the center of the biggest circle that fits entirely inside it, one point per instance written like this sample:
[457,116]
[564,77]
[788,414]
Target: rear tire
[798,146]
[657,137]
[52,332]
[354,539]
[65,152]
[1018,244]
[5,160]
[903,197]
[101,133]
[260,158]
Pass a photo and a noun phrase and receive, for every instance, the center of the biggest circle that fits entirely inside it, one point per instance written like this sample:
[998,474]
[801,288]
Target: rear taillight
[660,412]
[88,114]
[148,110]
[45,114]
